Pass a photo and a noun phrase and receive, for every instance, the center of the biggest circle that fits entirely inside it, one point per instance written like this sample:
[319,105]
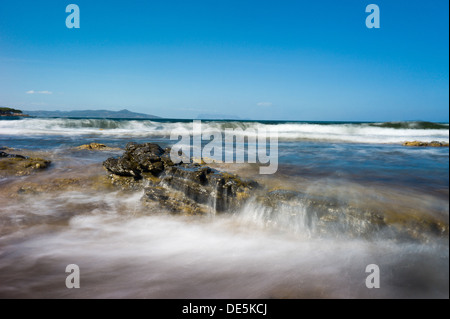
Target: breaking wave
[388,132]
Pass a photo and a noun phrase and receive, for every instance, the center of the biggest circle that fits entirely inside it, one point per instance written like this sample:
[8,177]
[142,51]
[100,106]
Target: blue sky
[292,60]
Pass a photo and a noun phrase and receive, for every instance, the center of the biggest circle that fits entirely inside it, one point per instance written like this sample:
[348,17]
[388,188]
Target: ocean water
[127,250]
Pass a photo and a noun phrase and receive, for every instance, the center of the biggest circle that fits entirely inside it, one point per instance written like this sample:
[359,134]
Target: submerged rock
[330,216]
[319,214]
[19,165]
[426,144]
[51,185]
[60,183]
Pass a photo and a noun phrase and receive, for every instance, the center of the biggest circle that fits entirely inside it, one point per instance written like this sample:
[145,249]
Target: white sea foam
[122,253]
[352,133]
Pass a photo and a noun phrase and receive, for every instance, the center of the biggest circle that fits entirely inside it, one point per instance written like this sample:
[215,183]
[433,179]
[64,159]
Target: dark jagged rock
[201,185]
[6,155]
[137,159]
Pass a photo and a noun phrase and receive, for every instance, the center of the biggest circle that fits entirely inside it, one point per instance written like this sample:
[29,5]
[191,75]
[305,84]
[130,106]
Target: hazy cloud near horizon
[38,92]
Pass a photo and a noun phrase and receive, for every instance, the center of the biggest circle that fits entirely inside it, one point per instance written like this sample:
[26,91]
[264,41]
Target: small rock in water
[426,144]
[96,146]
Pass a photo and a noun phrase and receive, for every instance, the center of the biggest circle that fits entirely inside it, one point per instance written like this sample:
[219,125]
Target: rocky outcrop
[207,186]
[426,144]
[197,189]
[320,214]
[186,187]
[10,112]
[96,147]
[19,165]
[137,160]
[330,216]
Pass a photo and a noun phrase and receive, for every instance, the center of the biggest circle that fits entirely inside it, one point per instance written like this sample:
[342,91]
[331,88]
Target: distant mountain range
[105,114]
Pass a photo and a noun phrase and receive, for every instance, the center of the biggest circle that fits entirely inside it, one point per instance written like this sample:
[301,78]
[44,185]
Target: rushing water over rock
[147,228]
[191,189]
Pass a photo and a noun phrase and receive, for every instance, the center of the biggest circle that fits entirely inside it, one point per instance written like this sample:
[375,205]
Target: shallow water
[123,252]
[127,250]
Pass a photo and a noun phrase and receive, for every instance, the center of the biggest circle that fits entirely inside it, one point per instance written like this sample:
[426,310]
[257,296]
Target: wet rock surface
[426,144]
[197,189]
[325,215]
[137,159]
[96,147]
[6,155]
[320,214]
[20,165]
[187,188]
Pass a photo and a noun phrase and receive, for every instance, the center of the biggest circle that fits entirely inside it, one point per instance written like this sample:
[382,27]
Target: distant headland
[7,111]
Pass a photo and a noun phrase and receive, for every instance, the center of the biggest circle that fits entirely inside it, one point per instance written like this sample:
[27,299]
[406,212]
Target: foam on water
[345,132]
[124,251]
